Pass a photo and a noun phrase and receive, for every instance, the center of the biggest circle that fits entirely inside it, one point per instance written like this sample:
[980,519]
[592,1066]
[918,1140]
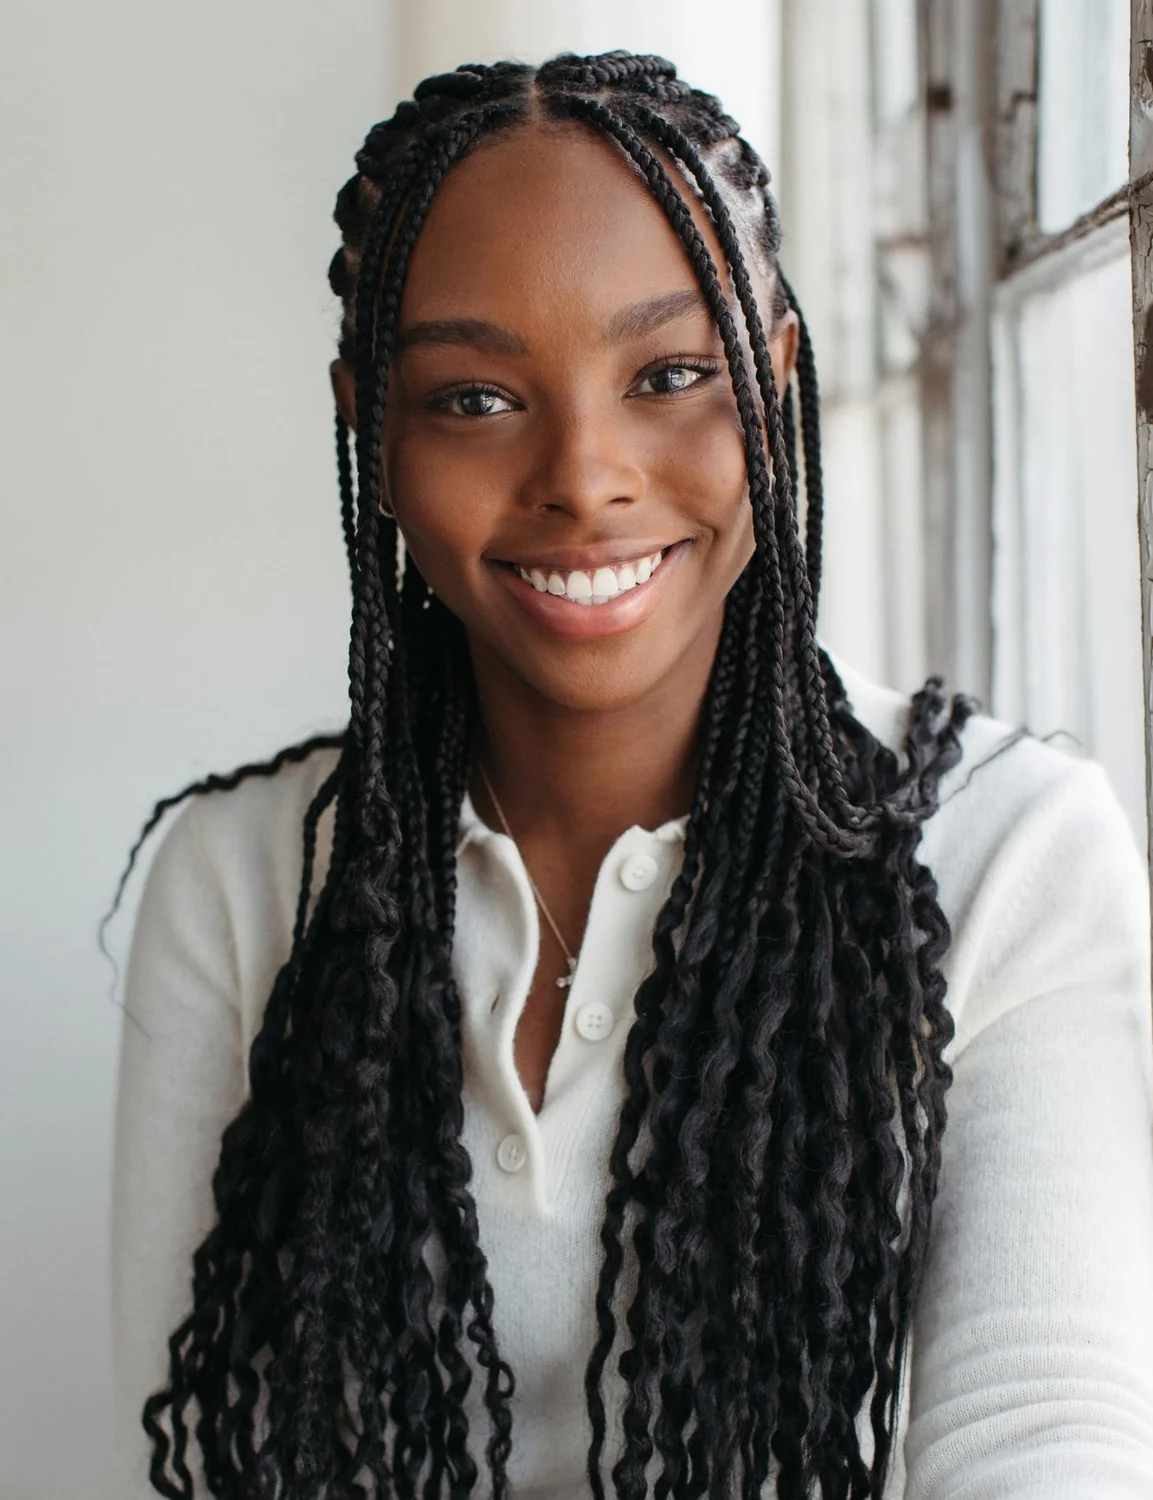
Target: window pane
[1083,82]
[1067,608]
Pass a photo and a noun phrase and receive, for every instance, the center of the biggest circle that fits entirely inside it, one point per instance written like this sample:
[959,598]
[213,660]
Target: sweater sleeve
[1032,1352]
[182,1078]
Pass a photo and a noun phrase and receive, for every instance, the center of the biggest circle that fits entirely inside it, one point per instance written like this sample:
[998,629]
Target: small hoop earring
[386,512]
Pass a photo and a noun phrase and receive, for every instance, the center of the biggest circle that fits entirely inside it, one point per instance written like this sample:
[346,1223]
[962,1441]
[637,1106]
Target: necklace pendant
[566,979]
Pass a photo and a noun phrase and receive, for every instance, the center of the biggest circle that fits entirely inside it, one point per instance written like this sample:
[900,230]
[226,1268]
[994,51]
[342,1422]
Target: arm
[182,1078]
[1032,1360]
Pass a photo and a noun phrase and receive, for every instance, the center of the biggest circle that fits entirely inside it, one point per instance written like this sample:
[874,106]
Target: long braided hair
[770,1187]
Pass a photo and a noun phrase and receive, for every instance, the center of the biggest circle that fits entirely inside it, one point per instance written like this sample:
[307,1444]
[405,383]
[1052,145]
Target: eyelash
[701,366]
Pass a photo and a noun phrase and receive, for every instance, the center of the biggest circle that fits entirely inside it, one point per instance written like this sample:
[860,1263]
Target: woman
[583,1082]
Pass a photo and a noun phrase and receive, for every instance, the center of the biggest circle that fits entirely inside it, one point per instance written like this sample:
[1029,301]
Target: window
[955,216]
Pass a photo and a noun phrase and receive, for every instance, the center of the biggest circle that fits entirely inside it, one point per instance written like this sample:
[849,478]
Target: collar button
[638,872]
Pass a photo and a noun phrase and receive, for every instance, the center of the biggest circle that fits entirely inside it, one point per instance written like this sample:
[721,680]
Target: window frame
[980,82]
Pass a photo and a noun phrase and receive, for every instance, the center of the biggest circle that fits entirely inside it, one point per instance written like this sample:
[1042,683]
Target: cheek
[444,506]
[705,470]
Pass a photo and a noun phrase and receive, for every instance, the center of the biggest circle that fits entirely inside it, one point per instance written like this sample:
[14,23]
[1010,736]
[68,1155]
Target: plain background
[172,573]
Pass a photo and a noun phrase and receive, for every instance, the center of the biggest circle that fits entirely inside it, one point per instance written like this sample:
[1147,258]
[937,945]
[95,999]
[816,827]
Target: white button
[510,1154]
[594,1022]
[638,872]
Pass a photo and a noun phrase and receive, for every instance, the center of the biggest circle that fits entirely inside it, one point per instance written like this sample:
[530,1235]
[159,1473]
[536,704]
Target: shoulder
[1037,868]
[247,837]
[223,888]
[1005,778]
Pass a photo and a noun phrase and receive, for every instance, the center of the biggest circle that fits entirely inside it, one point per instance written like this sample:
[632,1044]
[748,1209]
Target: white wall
[827,194]
[729,47]
[171,575]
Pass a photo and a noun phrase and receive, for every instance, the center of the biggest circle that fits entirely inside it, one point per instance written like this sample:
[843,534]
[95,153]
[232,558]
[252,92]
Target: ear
[783,348]
[344,389]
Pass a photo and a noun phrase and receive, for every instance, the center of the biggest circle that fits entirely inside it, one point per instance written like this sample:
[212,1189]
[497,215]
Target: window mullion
[1141,245]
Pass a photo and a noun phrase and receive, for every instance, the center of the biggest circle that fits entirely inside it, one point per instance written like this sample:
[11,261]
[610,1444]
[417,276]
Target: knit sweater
[1031,1364]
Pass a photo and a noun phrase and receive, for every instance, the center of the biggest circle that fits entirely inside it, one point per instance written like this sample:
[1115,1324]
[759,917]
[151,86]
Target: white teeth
[592,586]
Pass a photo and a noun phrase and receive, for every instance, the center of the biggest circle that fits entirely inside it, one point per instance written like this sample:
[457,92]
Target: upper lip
[586,559]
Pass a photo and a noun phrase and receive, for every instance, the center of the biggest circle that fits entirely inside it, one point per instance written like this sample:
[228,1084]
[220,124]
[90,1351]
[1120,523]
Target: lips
[576,603]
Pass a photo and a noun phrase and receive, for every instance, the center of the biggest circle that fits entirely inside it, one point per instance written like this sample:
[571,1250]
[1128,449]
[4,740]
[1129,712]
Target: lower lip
[586,622]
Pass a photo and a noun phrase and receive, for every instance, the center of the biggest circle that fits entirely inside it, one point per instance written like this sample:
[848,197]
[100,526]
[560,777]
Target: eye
[473,401]
[673,376]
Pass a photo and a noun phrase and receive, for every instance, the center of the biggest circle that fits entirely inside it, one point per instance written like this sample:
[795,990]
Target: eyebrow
[468,333]
[631,322]
[641,318]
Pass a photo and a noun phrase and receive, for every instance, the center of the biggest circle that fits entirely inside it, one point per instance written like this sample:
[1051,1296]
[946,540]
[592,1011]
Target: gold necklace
[566,979]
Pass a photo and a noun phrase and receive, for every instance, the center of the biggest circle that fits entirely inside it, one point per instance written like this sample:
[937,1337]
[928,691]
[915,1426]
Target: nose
[583,464]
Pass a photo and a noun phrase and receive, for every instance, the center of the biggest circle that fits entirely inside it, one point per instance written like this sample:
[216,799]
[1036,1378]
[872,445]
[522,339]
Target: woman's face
[561,443]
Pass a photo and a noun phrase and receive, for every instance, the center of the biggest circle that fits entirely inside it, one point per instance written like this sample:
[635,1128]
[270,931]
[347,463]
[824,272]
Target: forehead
[550,221]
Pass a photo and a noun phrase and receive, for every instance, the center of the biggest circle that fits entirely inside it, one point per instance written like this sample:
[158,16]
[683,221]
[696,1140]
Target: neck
[583,775]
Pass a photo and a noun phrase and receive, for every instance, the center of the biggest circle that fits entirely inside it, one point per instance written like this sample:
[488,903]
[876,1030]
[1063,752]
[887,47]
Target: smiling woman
[608,1151]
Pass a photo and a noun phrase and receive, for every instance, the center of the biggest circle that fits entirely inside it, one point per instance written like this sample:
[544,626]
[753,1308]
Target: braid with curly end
[772,1180]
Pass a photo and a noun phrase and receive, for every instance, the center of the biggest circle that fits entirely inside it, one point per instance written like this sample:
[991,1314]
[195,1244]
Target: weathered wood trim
[1141,246]
[1116,206]
[1015,125]
[938,348]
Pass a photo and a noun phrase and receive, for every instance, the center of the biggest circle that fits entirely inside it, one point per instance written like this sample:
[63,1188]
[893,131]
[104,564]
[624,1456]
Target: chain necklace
[566,979]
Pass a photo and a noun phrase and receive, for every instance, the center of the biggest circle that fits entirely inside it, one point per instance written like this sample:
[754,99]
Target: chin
[594,684]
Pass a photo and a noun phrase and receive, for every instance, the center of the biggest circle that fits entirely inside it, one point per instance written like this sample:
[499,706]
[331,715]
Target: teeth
[597,586]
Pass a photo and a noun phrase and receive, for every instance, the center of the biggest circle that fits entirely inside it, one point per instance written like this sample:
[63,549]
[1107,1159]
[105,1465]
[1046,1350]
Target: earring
[386,512]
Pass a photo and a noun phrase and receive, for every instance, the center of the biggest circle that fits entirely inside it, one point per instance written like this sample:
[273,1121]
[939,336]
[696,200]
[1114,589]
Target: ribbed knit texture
[1031,1374]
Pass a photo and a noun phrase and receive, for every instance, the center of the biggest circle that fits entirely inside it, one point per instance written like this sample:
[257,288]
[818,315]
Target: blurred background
[952,182]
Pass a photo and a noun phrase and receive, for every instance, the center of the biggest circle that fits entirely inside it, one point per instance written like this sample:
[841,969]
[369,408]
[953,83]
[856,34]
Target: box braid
[771,1184]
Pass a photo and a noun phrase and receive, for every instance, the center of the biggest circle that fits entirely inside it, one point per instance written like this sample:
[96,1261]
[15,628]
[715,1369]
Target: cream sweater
[1031,1374]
